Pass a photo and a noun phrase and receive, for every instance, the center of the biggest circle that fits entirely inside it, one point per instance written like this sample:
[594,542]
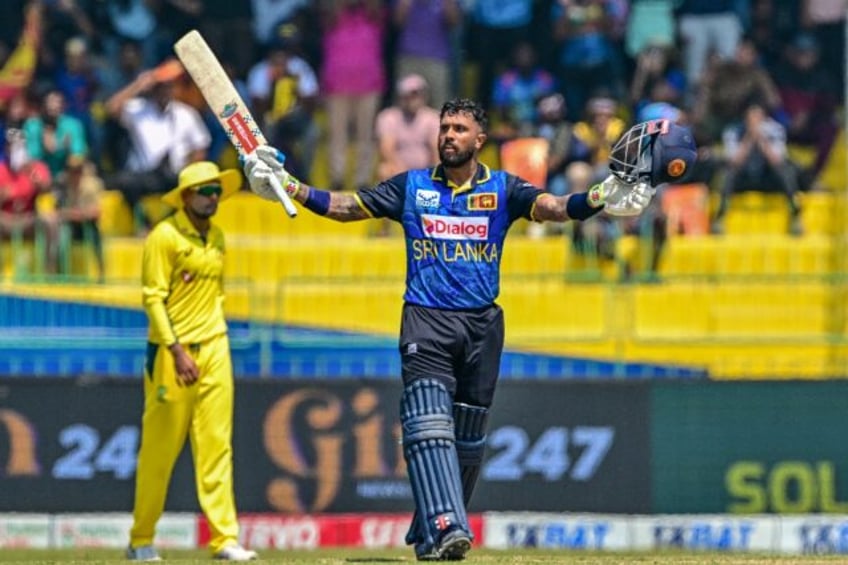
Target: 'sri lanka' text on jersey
[454,235]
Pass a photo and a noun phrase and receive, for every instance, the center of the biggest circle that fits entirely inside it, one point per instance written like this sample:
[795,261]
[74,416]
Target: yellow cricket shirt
[182,282]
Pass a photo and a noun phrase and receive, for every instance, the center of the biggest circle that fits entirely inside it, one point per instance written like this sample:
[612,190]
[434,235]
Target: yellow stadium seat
[757,212]
[116,218]
[832,176]
[122,258]
[822,212]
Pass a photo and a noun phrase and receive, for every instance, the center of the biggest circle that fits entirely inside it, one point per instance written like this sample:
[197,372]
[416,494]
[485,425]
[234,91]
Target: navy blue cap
[673,154]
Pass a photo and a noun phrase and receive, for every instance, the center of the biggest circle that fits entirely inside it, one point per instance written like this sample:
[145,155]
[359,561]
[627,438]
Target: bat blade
[224,101]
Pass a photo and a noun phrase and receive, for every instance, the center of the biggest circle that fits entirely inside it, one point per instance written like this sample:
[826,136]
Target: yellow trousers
[202,411]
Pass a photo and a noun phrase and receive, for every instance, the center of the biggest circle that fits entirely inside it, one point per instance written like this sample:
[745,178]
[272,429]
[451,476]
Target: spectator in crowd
[424,43]
[16,112]
[563,146]
[283,90]
[175,18]
[825,19]
[166,134]
[407,131]
[66,20]
[773,24]
[494,27]
[755,150]
[78,192]
[517,91]
[353,80]
[727,87]
[22,180]
[269,16]
[227,27]
[113,76]
[77,82]
[53,136]
[705,27]
[809,97]
[133,20]
[597,133]
[650,23]
[587,58]
[656,78]
[117,72]
[17,67]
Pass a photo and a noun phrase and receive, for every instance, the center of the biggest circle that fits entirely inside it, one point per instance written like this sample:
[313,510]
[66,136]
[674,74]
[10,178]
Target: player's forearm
[340,206]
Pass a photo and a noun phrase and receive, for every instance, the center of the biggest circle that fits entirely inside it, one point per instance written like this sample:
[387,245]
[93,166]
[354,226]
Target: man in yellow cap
[188,376]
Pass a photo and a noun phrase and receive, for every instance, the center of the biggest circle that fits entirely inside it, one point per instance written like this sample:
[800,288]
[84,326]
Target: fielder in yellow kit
[188,377]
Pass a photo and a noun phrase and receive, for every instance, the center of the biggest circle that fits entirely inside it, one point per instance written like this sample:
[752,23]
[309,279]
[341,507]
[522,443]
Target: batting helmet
[657,151]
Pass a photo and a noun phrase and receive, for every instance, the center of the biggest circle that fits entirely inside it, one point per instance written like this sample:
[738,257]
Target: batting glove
[620,198]
[263,164]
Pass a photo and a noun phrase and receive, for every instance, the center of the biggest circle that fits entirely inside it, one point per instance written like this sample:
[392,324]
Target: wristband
[294,185]
[578,207]
[318,201]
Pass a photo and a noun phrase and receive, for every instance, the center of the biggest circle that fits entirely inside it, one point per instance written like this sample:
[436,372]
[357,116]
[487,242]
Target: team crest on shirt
[426,198]
[483,201]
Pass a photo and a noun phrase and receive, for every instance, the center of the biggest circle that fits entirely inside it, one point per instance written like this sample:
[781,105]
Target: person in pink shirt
[353,79]
[407,132]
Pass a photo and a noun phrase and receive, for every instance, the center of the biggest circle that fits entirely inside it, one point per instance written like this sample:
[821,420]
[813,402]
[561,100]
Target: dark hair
[466,106]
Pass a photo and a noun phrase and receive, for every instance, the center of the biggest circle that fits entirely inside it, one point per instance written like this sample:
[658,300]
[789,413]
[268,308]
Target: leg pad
[431,460]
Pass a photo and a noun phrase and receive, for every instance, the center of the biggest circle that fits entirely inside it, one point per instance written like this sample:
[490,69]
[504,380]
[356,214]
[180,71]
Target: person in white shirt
[165,134]
[756,154]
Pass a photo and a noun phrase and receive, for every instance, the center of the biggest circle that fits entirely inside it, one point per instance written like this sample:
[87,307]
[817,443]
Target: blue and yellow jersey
[454,234]
[182,288]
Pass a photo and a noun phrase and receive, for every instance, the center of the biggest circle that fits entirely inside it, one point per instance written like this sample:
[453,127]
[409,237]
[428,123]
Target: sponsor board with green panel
[749,447]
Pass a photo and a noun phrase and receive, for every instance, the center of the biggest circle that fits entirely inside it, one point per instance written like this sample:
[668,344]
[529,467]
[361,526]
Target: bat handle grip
[283,196]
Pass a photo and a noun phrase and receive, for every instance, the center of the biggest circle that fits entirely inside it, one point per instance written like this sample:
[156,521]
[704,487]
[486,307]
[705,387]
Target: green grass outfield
[384,556]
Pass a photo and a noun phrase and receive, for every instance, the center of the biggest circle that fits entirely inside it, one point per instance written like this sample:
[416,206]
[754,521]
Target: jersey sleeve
[521,197]
[156,281]
[386,199]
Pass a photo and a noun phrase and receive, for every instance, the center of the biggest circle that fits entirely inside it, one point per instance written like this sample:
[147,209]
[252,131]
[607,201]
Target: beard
[202,212]
[457,159]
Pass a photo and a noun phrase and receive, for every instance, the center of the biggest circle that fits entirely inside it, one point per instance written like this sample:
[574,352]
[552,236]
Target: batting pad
[470,423]
[431,460]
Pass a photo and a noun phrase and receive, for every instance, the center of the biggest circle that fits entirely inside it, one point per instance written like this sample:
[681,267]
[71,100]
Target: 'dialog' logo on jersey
[451,227]
[483,201]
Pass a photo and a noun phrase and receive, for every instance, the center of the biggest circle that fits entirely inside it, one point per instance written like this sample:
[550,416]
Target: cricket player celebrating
[188,376]
[455,217]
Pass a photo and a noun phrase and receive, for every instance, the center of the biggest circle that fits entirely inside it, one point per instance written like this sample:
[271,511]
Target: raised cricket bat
[218,90]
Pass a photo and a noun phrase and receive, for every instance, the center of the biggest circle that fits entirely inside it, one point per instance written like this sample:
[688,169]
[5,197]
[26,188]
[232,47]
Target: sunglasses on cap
[209,190]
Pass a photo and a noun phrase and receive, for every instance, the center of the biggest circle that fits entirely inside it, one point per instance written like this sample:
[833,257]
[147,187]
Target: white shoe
[143,553]
[236,553]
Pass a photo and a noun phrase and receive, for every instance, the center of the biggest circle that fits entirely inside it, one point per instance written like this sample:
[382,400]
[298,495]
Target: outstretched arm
[267,162]
[343,207]
[612,196]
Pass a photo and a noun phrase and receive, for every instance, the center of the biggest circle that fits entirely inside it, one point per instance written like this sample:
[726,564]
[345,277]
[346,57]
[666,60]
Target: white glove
[263,164]
[620,198]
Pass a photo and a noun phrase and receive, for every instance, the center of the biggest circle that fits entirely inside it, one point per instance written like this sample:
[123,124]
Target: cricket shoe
[142,553]
[452,547]
[236,553]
